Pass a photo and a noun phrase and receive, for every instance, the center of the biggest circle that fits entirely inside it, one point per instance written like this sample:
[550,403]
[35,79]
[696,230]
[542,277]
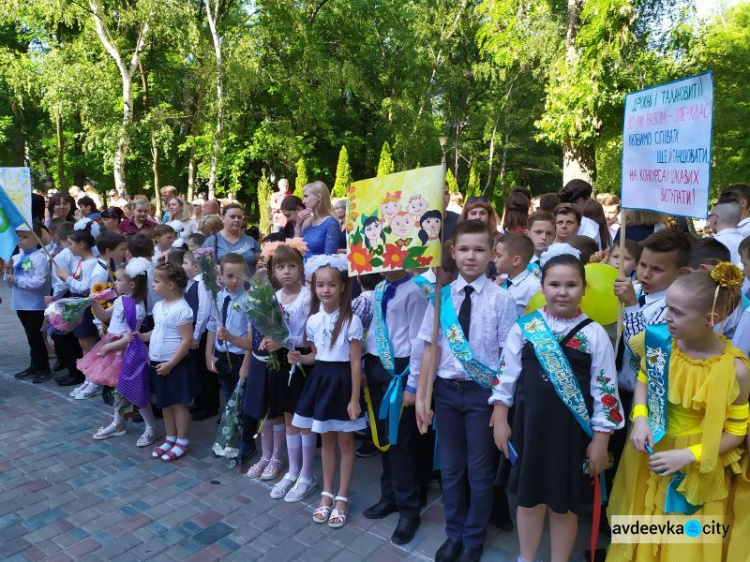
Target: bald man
[211,207]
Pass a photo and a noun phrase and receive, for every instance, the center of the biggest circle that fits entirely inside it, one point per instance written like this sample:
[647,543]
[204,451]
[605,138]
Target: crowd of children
[548,406]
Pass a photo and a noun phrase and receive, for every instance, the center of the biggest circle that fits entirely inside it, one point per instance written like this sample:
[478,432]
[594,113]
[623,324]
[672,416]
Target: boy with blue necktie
[392,360]
[476,312]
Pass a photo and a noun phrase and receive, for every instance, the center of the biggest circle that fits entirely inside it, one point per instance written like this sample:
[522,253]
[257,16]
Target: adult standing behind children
[320,228]
[578,193]
[723,220]
[741,192]
[482,314]
[140,220]
[232,240]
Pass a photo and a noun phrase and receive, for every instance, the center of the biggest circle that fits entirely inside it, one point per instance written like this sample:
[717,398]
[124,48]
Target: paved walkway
[64,496]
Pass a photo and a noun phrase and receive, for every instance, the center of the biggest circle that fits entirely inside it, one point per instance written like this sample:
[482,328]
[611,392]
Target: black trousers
[32,321]
[399,481]
[208,397]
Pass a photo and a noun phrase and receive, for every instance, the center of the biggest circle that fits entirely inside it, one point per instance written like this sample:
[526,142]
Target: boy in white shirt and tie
[513,252]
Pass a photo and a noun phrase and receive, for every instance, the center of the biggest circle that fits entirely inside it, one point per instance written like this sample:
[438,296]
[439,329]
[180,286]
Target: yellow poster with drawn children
[395,221]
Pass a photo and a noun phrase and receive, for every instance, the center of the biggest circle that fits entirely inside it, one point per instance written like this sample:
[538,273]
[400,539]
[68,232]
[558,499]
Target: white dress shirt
[117,324]
[493,312]
[522,288]
[591,229]
[744,227]
[236,323]
[67,261]
[91,271]
[319,330]
[404,318]
[731,238]
[591,339]
[205,302]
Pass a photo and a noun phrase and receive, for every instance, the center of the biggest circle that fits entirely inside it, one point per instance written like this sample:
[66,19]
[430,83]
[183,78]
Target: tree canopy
[205,95]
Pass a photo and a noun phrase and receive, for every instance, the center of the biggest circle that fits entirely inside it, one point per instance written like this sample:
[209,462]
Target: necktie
[507,284]
[225,310]
[642,300]
[390,292]
[464,313]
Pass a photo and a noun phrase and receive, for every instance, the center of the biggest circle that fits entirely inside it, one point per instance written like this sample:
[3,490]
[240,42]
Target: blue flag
[10,215]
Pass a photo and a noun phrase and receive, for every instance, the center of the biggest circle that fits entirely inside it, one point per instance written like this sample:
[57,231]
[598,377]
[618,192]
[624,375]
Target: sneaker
[92,389]
[366,449]
[79,388]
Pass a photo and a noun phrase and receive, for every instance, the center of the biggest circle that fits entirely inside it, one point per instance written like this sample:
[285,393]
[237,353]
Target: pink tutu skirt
[103,370]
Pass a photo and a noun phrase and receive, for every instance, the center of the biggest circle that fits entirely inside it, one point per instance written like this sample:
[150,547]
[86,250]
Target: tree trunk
[61,182]
[503,163]
[126,75]
[191,174]
[579,162]
[154,140]
[212,21]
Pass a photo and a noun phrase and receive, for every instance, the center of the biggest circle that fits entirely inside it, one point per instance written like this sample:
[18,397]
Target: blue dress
[322,238]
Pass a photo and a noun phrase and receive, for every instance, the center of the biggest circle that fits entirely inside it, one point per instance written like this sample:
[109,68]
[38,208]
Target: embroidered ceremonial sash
[428,288]
[658,354]
[554,362]
[479,373]
[556,365]
[394,396]
[658,351]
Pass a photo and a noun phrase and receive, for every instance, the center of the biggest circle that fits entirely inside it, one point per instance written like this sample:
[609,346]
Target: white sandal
[339,514]
[323,512]
[110,431]
[149,437]
[282,487]
[295,495]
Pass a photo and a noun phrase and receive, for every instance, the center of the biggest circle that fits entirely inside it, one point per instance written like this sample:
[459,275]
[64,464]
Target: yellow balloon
[599,302]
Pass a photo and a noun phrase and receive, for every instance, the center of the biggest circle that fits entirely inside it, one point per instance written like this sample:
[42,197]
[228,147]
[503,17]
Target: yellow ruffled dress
[739,533]
[699,395]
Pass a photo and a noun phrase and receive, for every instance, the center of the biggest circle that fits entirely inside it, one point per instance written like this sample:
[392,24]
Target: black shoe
[25,374]
[58,366]
[405,530]
[471,554]
[449,551]
[69,380]
[380,510]
[41,375]
[366,449]
[200,415]
[600,555]
[247,455]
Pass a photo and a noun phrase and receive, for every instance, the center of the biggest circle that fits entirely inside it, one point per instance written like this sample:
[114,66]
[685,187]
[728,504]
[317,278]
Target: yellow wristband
[642,377]
[738,411]
[697,451]
[639,411]
[738,428]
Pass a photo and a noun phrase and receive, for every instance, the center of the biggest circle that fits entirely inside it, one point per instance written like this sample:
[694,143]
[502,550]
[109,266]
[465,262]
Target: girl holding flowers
[89,272]
[685,439]
[285,382]
[329,403]
[558,369]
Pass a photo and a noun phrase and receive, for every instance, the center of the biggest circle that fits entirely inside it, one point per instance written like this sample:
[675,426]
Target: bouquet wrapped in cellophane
[66,314]
[265,314]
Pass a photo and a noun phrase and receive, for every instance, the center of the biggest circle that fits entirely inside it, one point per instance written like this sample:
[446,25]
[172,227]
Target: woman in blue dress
[320,228]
